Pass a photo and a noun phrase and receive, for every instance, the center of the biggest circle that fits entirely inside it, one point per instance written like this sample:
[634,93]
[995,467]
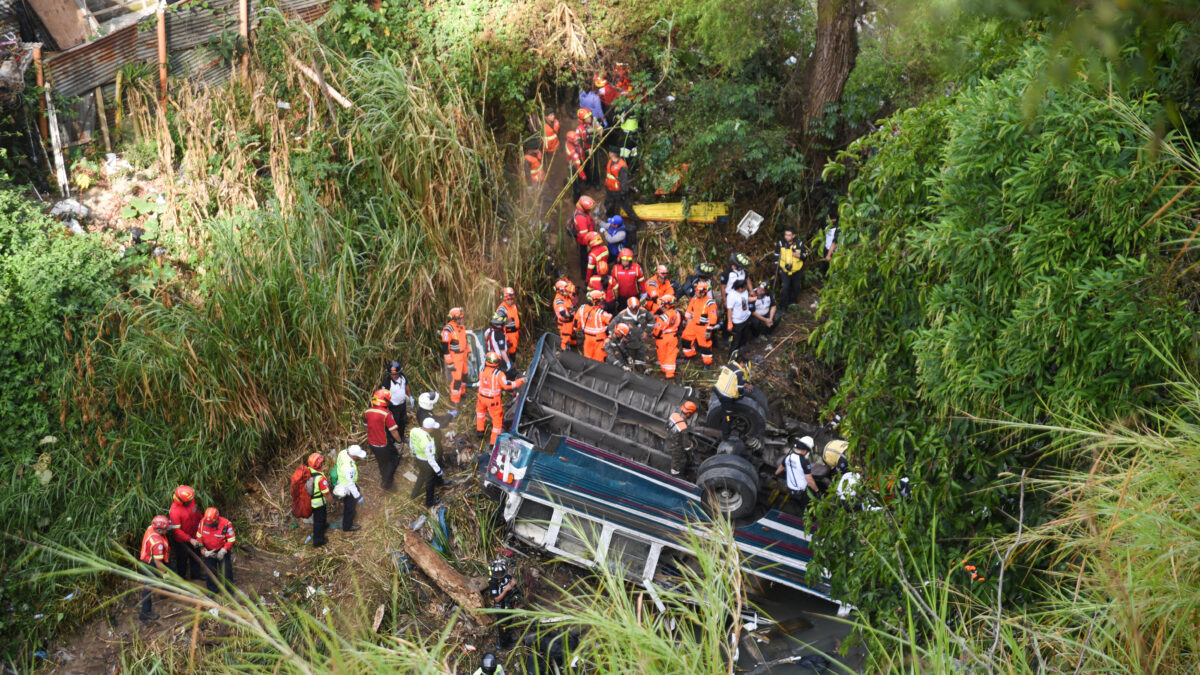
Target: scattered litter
[297,553]
[61,655]
[401,562]
[40,654]
[468,648]
[47,440]
[306,540]
[276,574]
[113,164]
[791,61]
[283,105]
[38,616]
[417,524]
[69,595]
[749,224]
[410,476]
[378,618]
[214,612]
[324,611]
[310,591]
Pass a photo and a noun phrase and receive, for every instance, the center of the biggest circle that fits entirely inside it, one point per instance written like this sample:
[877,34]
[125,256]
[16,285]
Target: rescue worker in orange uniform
[185,519]
[631,280]
[155,556]
[512,326]
[564,313]
[454,352]
[217,538]
[666,335]
[678,438]
[597,253]
[658,286]
[533,164]
[581,227]
[575,166]
[593,322]
[617,184]
[550,129]
[701,319]
[604,282]
[492,383]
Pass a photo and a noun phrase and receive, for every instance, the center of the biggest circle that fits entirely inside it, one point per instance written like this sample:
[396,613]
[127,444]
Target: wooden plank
[103,119]
[63,20]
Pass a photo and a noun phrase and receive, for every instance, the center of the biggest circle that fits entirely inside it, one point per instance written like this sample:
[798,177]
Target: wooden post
[162,52]
[60,164]
[41,83]
[103,119]
[244,31]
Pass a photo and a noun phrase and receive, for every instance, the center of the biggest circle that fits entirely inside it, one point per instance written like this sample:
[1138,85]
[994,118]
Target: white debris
[70,207]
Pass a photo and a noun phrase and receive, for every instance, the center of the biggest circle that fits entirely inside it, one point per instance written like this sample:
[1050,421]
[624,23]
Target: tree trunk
[825,74]
[464,590]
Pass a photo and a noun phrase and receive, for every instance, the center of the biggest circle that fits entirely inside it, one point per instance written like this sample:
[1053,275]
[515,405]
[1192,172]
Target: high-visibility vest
[678,422]
[667,323]
[455,337]
[536,175]
[154,547]
[550,135]
[595,322]
[575,159]
[790,260]
[612,175]
[702,311]
[729,379]
[563,309]
[662,287]
[318,495]
[491,382]
[421,443]
[513,316]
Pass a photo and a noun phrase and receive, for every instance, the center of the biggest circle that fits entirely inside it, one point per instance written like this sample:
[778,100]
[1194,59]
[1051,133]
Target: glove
[206,553]
[221,554]
[194,542]
[410,401]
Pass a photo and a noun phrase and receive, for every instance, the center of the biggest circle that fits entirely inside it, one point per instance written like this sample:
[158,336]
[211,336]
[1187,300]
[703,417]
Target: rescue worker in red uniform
[380,424]
[185,520]
[564,313]
[631,280]
[550,129]
[512,326]
[492,382]
[593,323]
[156,557]
[454,352]
[701,319]
[597,253]
[606,92]
[666,335]
[576,170]
[533,165]
[581,227]
[216,545]
[604,282]
[658,286]
[617,184]
[320,492]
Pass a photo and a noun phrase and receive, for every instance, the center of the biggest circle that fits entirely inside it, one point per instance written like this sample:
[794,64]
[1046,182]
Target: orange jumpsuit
[550,135]
[701,317]
[656,289]
[454,351]
[488,404]
[593,321]
[533,161]
[511,334]
[666,338]
[564,312]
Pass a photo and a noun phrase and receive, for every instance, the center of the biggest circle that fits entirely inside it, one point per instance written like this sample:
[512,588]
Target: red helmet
[316,460]
[661,270]
[622,329]
[583,114]
[456,314]
[626,254]
[160,523]
[211,515]
[184,494]
[572,137]
[599,81]
[594,239]
[632,303]
[510,293]
[585,202]
[687,408]
[601,268]
[380,396]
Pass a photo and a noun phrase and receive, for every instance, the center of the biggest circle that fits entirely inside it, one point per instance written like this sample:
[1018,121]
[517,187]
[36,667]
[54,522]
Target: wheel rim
[740,425]
[726,499]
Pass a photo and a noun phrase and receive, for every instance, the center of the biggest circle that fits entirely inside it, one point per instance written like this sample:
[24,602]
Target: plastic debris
[283,105]
[276,574]
[410,476]
[69,595]
[40,654]
[417,524]
[47,440]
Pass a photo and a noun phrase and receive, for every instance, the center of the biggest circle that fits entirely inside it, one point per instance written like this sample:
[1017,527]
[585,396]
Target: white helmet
[427,400]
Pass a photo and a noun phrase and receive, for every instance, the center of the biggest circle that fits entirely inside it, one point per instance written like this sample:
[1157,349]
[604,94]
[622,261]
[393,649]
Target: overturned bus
[584,474]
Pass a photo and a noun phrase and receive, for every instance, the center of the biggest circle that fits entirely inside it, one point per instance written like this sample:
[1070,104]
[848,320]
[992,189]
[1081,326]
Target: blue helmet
[616,220]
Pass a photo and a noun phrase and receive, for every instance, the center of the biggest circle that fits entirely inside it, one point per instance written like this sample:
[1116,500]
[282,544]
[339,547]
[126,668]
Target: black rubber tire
[722,460]
[761,397]
[729,490]
[750,417]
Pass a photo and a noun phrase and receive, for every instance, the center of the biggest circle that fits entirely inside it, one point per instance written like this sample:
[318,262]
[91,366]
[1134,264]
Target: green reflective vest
[421,443]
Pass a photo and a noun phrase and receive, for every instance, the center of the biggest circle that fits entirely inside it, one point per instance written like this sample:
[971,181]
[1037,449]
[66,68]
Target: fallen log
[463,589]
[320,82]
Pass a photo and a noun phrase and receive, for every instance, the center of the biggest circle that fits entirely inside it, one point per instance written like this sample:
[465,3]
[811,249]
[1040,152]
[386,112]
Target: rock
[70,207]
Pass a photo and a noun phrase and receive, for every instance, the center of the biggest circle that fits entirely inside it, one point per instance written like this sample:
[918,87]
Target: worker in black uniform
[395,382]
[502,588]
[489,665]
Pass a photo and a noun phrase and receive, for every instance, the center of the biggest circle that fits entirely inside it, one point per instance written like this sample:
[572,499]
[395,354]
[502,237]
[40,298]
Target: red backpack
[301,502]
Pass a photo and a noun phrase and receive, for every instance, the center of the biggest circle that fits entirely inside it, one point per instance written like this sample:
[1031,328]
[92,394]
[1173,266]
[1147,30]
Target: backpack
[301,499]
[333,475]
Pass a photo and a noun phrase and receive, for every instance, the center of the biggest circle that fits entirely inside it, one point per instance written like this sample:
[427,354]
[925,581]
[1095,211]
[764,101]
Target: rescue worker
[605,91]
[699,320]
[383,435]
[704,272]
[155,556]
[576,173]
[739,310]
[318,488]
[617,184]
[581,227]
[397,385]
[533,166]
[790,253]
[489,665]
[658,287]
[640,325]
[628,148]
[492,383]
[614,236]
[666,335]
[733,382]
[424,450]
[512,326]
[631,279]
[564,313]
[216,545]
[763,321]
[617,349]
[597,253]
[602,281]
[455,351]
[346,485]
[185,520]
[495,340]
[585,136]
[799,475]
[679,440]
[502,588]
[738,262]
[550,129]
[425,404]
[593,323]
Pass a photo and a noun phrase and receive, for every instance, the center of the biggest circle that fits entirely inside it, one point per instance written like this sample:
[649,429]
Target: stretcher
[673,212]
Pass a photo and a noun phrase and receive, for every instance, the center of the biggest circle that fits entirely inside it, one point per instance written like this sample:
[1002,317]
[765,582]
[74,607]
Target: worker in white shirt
[737,304]
[799,480]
